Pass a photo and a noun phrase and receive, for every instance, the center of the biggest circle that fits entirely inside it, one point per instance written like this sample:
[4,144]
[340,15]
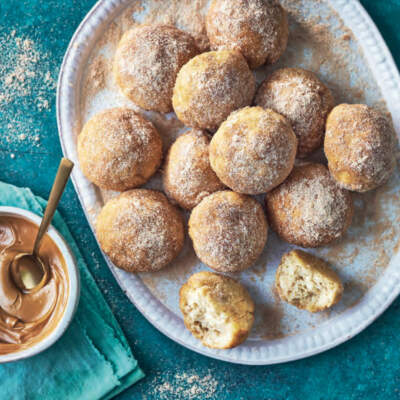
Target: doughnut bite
[140,230]
[309,209]
[216,309]
[147,61]
[228,230]
[210,86]
[307,282]
[303,99]
[188,176]
[257,28]
[360,145]
[253,151]
[118,149]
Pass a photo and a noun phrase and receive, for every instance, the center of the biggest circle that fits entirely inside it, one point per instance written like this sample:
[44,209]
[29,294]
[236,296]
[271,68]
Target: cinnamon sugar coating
[228,230]
[188,176]
[360,145]
[254,150]
[147,62]
[309,209]
[140,230]
[118,149]
[303,99]
[257,28]
[210,86]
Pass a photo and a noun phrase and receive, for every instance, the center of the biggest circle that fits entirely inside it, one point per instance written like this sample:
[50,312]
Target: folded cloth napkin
[92,360]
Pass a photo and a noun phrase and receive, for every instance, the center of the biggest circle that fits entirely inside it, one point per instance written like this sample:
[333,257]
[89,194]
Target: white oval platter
[361,69]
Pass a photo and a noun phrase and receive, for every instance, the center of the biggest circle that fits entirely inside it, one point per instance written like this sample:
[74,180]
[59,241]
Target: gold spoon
[28,270]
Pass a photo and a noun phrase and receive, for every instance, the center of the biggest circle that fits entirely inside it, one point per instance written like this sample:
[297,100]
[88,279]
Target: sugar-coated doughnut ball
[147,61]
[210,86]
[309,209]
[118,149]
[217,309]
[140,230]
[360,145]
[303,99]
[257,28]
[253,150]
[228,230]
[188,176]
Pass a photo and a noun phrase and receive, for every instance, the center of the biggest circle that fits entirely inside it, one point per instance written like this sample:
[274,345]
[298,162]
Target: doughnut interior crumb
[217,310]
[307,282]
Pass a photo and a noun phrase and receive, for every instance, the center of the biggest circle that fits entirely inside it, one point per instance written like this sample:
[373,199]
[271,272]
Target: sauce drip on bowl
[27,318]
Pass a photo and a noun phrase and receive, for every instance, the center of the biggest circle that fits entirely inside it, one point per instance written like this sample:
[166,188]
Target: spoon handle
[63,173]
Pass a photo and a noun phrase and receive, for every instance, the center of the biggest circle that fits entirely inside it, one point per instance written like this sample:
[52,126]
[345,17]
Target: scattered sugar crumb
[27,83]
[187,386]
[42,104]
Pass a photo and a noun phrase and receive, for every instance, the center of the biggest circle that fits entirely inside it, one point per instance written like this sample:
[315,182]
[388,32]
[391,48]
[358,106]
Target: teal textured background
[366,367]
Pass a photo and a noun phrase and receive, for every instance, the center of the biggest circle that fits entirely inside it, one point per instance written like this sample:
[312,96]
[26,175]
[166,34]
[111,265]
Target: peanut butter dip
[27,318]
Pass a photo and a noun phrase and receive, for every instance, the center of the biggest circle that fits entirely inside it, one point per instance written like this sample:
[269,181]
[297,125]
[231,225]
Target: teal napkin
[92,360]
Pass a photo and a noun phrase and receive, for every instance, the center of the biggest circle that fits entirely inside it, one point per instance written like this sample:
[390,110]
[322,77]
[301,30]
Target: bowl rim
[74,287]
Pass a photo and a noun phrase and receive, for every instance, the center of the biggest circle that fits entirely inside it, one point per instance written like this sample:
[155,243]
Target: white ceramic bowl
[74,288]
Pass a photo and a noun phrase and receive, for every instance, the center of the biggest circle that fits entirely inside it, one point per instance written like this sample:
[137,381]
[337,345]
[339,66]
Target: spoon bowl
[29,272]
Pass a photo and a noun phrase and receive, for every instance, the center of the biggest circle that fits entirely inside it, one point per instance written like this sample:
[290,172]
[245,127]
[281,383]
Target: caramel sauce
[27,318]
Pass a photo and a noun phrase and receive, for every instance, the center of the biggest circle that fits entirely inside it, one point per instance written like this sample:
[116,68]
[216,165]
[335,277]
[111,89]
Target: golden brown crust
[360,145]
[257,28]
[253,151]
[303,99]
[228,230]
[309,209]
[147,61]
[188,176]
[118,149]
[210,86]
[140,230]
[307,282]
[217,309]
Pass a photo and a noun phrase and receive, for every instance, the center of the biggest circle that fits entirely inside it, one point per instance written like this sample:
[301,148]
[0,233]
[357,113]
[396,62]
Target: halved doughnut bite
[307,282]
